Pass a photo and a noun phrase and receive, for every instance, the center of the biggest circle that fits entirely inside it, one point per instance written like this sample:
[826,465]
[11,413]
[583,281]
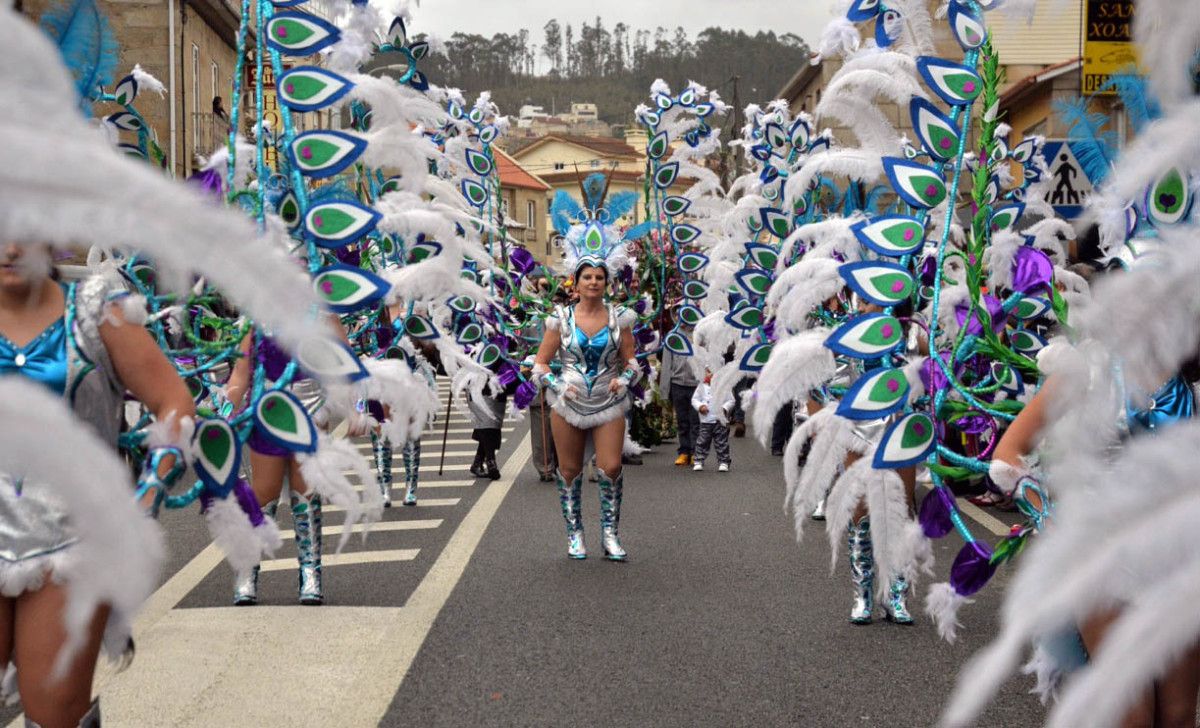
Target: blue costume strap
[1174,401]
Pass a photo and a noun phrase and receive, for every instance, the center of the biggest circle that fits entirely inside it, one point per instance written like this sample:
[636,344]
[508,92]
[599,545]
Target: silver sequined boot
[306,518]
[245,591]
[611,491]
[897,603]
[862,570]
[412,471]
[569,495]
[381,447]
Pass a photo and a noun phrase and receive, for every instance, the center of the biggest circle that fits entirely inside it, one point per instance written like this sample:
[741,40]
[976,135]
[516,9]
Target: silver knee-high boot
[306,518]
[382,449]
[569,497]
[611,491]
[412,471]
[862,570]
[897,603]
[245,591]
[90,719]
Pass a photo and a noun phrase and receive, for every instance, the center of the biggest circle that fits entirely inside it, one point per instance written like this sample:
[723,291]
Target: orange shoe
[683,460]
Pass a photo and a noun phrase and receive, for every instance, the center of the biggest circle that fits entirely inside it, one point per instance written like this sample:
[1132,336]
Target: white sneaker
[696,466]
[723,468]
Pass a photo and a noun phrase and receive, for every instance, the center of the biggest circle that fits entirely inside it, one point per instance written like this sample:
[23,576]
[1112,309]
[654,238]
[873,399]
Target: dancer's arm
[144,370]
[631,374]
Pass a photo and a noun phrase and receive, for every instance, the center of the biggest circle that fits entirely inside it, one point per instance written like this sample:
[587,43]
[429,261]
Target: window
[216,76]
[559,166]
[531,214]
[195,98]
[595,163]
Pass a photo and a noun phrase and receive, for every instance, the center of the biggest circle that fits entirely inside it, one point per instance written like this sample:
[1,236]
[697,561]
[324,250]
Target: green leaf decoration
[756,358]
[675,205]
[695,290]
[745,318]
[479,163]
[665,176]
[684,234]
[764,256]
[335,224]
[690,263]
[658,146]
[1169,199]
[420,327]
[309,88]
[216,454]
[908,441]
[875,395]
[281,418]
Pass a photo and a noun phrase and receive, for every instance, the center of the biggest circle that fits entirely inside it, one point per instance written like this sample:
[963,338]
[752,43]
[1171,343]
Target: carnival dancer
[595,348]
[270,464]
[73,340]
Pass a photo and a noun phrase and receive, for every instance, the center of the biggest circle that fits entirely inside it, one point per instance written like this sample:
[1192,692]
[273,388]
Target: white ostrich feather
[801,289]
[942,604]
[797,366]
[324,473]
[1167,33]
[120,549]
[233,533]
[114,202]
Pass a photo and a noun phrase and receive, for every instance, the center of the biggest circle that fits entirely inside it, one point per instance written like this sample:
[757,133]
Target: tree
[572,53]
[552,47]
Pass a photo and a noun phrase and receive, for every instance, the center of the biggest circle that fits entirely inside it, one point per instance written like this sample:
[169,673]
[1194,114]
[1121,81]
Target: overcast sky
[805,18]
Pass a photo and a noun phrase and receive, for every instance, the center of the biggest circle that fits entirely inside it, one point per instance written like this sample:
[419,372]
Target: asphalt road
[465,611]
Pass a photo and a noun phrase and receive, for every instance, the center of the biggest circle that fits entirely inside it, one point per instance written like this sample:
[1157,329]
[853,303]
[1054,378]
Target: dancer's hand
[570,392]
[703,409]
[617,386]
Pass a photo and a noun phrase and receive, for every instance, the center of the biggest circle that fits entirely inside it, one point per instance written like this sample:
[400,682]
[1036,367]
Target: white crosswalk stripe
[385,527]
[421,503]
[347,559]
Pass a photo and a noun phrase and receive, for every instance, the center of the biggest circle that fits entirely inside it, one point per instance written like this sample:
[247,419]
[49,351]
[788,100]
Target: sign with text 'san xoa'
[1107,43]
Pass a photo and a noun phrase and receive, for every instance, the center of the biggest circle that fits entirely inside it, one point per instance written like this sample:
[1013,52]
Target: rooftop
[512,174]
[606,146]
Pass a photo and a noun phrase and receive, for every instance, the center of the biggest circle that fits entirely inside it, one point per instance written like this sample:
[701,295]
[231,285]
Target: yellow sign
[1107,42]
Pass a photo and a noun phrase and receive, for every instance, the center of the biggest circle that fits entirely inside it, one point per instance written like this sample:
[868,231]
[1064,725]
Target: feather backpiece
[87,43]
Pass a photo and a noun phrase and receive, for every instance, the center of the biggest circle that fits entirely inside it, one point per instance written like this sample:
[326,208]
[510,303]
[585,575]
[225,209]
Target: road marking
[980,516]
[347,559]
[421,503]
[214,658]
[382,527]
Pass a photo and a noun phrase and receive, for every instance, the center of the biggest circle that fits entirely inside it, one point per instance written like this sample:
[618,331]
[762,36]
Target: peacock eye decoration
[884,284]
[309,88]
[892,235]
[868,336]
[300,34]
[346,289]
[322,154]
[920,186]
[908,441]
[1005,216]
[954,83]
[967,26]
[755,358]
[875,395]
[934,129]
[1169,198]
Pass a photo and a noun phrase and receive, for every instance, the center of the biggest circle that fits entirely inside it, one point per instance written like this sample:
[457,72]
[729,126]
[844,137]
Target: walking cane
[446,431]
[542,427]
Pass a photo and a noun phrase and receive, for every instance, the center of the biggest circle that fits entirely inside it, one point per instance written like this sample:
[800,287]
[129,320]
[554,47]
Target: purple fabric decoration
[935,513]
[385,335]
[273,359]
[348,255]
[263,446]
[208,182]
[995,309]
[973,424]
[1032,271]
[525,394]
[521,260]
[507,375]
[932,376]
[928,270]
[769,330]
[625,275]
[972,568]
[249,502]
[640,306]
[644,335]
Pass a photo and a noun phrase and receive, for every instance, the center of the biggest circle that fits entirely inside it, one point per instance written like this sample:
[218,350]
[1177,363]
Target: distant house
[526,203]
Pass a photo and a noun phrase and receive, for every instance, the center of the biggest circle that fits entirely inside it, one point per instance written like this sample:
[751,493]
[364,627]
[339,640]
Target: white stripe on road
[421,503]
[214,659]
[375,528]
[347,559]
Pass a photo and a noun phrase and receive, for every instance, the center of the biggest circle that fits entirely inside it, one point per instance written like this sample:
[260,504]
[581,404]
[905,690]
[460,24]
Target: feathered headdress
[590,236]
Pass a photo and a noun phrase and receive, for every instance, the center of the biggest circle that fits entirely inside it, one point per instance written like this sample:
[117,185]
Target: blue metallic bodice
[43,360]
[593,349]
[1174,401]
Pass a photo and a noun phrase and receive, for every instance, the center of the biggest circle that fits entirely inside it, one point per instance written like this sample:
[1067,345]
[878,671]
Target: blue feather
[639,231]
[564,212]
[594,187]
[1141,107]
[87,44]
[622,203]
[1094,147]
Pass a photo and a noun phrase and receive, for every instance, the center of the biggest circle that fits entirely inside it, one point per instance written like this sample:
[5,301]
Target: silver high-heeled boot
[381,447]
[245,591]
[569,496]
[611,491]
[818,513]
[412,471]
[90,719]
[306,518]
[862,570]
[896,609]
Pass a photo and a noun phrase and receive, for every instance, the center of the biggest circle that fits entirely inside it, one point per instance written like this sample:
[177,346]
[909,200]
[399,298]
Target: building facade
[526,200]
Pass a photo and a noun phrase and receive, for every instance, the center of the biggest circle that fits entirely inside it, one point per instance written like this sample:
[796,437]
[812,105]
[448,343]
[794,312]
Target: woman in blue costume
[1172,700]
[72,339]
[593,349]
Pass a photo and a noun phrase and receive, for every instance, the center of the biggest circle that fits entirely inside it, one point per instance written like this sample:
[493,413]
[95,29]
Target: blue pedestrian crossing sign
[1070,186]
